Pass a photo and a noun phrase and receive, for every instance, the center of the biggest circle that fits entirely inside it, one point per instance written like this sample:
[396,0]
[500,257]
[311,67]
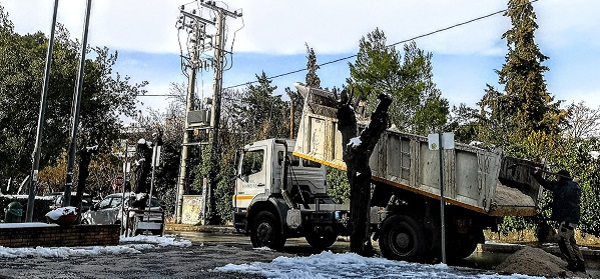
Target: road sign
[119,181]
[447,141]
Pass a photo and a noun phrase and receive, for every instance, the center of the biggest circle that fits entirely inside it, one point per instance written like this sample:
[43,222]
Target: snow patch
[351,265]
[264,248]
[129,245]
[56,213]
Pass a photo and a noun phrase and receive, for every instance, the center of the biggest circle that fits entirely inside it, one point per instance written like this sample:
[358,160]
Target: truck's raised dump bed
[471,174]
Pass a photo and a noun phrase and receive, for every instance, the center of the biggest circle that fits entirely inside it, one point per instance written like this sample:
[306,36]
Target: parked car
[110,210]
[58,198]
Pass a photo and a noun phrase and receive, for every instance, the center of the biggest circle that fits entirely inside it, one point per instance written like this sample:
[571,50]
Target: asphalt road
[196,261]
[209,250]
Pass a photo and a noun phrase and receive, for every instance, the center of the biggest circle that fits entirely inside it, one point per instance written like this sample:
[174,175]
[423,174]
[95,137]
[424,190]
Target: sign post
[441,142]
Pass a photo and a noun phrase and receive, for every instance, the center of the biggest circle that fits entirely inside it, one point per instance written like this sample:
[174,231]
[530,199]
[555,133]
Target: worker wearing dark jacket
[566,197]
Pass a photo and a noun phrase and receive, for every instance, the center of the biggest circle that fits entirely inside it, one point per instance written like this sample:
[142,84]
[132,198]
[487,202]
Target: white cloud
[568,24]
[334,26]
[280,28]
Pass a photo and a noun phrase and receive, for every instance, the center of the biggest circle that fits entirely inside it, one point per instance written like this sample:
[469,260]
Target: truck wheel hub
[402,240]
[264,232]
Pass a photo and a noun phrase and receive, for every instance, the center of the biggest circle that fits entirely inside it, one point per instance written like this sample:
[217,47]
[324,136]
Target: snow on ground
[128,245]
[351,265]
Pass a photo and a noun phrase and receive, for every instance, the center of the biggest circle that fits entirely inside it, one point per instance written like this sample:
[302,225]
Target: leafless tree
[582,121]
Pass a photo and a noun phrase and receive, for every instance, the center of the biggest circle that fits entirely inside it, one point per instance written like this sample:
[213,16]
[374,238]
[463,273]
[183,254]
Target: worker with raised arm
[566,196]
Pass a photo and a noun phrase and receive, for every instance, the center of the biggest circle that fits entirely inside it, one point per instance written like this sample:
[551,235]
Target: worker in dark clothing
[144,154]
[566,196]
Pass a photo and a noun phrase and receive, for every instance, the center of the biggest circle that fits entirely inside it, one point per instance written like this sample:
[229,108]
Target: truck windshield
[252,162]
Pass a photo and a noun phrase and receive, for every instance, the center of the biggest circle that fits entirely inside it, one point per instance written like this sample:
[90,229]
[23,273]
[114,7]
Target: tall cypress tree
[312,79]
[526,105]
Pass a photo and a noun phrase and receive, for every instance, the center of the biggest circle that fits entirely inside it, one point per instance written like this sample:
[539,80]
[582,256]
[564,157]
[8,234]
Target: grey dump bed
[480,180]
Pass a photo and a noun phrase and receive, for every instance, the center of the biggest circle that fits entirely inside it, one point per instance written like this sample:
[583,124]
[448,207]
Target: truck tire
[465,244]
[321,242]
[266,231]
[402,239]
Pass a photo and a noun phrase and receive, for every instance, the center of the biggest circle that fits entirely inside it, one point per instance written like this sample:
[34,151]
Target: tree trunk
[357,151]
[85,158]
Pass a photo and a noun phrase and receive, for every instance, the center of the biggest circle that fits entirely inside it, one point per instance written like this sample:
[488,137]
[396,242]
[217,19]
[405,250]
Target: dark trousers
[567,244]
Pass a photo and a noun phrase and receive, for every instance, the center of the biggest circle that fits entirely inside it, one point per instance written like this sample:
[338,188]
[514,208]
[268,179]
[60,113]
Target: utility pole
[216,107]
[196,26]
[38,139]
[75,112]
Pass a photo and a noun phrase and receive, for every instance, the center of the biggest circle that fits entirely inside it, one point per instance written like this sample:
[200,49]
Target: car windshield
[153,202]
[110,202]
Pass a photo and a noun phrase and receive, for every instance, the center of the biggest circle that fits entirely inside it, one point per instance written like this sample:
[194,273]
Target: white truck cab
[278,195]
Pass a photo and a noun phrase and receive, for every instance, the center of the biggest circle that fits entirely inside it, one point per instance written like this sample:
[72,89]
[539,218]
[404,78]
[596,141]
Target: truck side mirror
[236,158]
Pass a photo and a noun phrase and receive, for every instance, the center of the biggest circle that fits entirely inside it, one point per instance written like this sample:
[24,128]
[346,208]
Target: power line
[400,42]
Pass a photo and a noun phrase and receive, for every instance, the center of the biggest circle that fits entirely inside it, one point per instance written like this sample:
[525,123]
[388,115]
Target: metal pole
[38,139]
[125,165]
[155,158]
[442,202]
[76,105]
[121,229]
[291,119]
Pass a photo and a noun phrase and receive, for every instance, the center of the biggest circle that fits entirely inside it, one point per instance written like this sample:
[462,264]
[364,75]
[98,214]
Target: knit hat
[564,175]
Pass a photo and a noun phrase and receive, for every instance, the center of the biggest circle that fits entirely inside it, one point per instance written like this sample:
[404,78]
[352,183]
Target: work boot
[580,266]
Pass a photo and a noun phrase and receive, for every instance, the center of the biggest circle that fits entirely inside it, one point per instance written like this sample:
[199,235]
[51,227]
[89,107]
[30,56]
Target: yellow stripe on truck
[243,197]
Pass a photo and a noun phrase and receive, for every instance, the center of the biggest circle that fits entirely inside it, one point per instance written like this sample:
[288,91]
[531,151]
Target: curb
[200,228]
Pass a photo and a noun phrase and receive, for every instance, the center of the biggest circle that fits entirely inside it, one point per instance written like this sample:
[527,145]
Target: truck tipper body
[480,187]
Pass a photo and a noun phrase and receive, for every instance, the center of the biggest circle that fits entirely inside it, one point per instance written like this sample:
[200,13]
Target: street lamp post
[34,178]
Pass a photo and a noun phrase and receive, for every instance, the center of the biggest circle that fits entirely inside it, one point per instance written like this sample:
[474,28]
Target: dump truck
[288,198]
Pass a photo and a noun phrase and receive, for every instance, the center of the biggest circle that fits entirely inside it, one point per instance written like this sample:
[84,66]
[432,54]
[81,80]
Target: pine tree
[417,103]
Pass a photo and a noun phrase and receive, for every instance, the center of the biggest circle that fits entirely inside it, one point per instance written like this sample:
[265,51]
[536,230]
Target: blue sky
[271,36]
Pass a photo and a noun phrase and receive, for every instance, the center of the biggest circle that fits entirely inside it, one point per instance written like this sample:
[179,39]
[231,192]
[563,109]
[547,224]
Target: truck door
[252,178]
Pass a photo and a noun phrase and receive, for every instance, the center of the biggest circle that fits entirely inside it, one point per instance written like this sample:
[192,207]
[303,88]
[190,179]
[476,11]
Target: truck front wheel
[402,239]
[266,231]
